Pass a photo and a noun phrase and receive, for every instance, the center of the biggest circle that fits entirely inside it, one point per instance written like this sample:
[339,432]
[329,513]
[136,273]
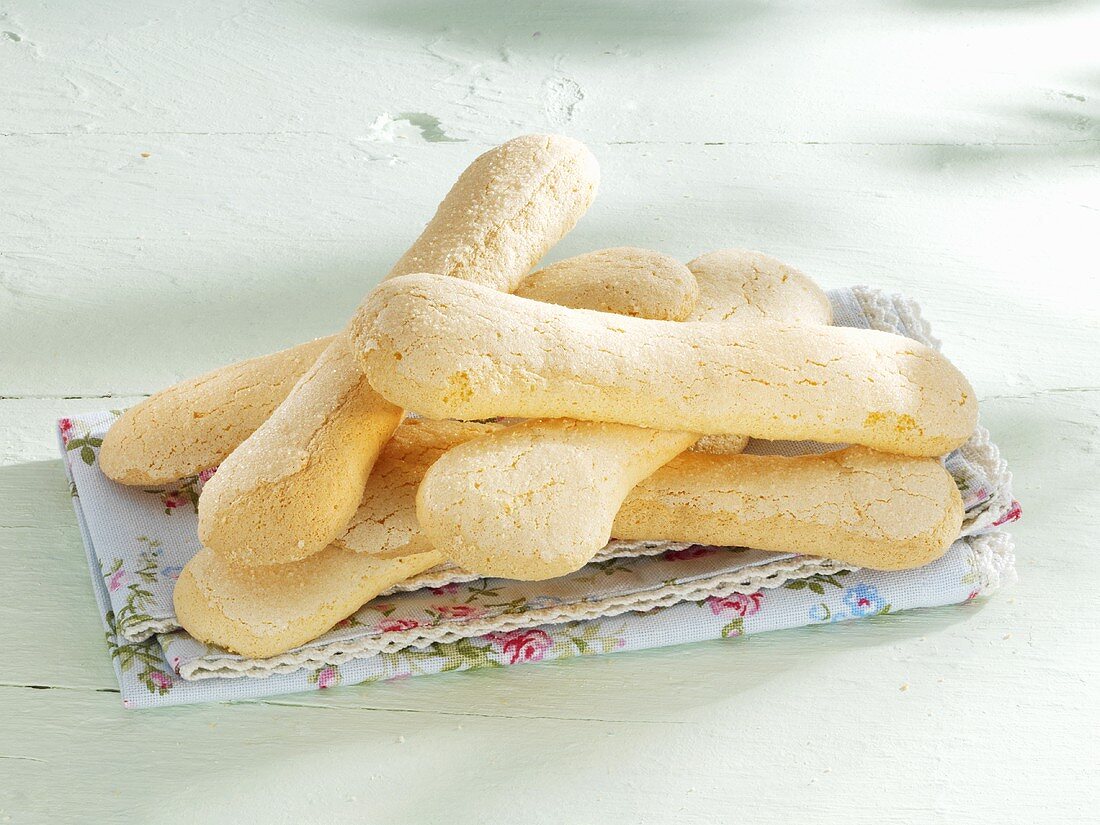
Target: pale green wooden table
[188,183]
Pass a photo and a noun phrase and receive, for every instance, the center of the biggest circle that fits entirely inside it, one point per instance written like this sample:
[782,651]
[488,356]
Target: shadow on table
[573,24]
[445,737]
[993,5]
[659,686]
[1059,123]
[50,629]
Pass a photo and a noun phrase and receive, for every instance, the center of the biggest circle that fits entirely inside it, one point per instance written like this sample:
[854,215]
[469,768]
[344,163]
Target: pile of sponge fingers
[607,395]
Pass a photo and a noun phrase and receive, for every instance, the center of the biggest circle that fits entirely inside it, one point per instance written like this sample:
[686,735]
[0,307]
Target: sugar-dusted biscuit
[857,505]
[385,524]
[527,502]
[742,285]
[538,500]
[860,506]
[452,349]
[624,280]
[291,487]
[263,611]
[505,211]
[194,425]
[546,492]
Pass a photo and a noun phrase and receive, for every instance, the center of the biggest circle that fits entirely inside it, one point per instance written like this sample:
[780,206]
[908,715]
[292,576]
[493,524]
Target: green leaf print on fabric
[591,640]
[133,654]
[174,497]
[464,655]
[135,611]
[816,583]
[734,628]
[87,447]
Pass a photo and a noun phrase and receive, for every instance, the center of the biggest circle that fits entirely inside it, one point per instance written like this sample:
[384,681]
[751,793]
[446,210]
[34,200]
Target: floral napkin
[633,596]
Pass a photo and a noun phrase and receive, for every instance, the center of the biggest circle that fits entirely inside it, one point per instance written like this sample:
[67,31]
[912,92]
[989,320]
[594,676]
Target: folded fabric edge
[985,562]
[992,557]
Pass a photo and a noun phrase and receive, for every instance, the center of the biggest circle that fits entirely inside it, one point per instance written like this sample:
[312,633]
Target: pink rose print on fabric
[326,678]
[1013,514]
[696,551]
[396,625]
[206,475]
[65,425]
[116,580]
[160,681]
[743,604]
[445,590]
[174,500]
[457,611]
[523,645]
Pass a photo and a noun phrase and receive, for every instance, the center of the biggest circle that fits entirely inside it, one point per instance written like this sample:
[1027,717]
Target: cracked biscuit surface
[452,349]
[192,426]
[267,610]
[290,489]
[624,280]
[263,611]
[539,500]
[385,525]
[856,505]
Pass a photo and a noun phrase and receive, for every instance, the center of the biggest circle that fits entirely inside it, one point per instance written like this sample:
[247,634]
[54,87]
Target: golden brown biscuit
[557,484]
[742,285]
[452,349]
[624,280]
[194,425]
[856,505]
[385,524]
[529,502]
[263,611]
[291,487]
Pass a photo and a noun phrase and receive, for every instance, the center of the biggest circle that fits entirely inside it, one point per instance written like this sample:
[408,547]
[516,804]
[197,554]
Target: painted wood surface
[188,183]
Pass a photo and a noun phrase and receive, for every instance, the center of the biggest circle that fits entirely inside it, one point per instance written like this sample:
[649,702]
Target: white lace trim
[981,451]
[448,573]
[994,560]
[746,580]
[437,576]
